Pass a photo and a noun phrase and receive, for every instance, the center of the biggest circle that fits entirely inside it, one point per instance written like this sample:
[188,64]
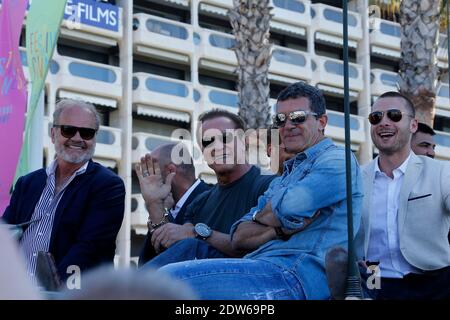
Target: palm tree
[420,21]
[250,20]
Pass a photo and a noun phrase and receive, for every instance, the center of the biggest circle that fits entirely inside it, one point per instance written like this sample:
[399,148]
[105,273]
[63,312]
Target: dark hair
[301,89]
[422,127]
[165,158]
[217,113]
[394,94]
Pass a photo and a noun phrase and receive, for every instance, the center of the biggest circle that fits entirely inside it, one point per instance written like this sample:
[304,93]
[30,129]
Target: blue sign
[92,13]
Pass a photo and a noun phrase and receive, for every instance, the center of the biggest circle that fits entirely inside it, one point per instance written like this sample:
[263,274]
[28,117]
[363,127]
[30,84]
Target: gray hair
[63,104]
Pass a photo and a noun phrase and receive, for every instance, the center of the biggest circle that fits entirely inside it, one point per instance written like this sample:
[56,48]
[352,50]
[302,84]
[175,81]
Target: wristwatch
[202,231]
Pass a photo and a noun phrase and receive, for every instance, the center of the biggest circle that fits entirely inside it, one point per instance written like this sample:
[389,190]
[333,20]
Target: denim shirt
[314,179]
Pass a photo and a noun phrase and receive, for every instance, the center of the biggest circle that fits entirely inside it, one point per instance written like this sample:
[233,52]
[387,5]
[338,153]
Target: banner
[13,94]
[42,29]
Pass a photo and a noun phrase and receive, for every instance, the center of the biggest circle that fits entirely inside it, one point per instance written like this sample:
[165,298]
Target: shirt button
[40,234]
[34,254]
[48,214]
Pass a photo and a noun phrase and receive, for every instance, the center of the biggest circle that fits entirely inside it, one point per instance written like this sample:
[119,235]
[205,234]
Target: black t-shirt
[222,206]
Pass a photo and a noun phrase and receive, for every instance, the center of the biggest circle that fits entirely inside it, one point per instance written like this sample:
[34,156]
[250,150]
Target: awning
[163,113]
[391,53]
[88,98]
[334,39]
[287,28]
[213,9]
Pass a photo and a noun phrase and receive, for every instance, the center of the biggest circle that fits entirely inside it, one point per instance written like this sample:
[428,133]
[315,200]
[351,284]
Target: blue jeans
[184,250]
[231,279]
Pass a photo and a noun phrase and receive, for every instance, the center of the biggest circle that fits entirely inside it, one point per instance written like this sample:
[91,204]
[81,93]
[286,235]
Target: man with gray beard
[75,206]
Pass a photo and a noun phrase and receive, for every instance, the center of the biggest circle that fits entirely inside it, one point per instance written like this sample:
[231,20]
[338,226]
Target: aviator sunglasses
[70,131]
[394,115]
[296,117]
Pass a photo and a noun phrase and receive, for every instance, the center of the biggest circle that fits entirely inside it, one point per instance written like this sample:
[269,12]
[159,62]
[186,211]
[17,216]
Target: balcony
[143,143]
[292,16]
[219,98]
[382,81]
[290,63]
[335,128]
[164,97]
[139,214]
[92,22]
[162,38]
[442,52]
[215,51]
[328,73]
[443,100]
[215,7]
[94,82]
[442,140]
[327,24]
[385,38]
[108,147]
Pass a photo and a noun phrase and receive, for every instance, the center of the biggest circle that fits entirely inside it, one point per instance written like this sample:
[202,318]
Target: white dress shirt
[174,211]
[384,246]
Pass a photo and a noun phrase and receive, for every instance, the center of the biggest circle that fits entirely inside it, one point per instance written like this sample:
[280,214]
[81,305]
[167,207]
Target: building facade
[152,66]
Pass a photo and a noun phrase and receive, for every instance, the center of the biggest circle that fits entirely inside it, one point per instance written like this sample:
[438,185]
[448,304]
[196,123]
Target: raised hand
[153,188]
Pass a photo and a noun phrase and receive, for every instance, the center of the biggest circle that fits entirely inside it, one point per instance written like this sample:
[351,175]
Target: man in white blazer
[406,209]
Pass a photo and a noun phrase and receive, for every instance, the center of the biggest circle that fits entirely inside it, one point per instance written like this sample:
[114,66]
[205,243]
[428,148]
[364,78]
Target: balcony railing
[216,50]
[327,22]
[163,38]
[336,128]
[83,78]
[291,63]
[143,143]
[383,81]
[385,37]
[166,97]
[330,72]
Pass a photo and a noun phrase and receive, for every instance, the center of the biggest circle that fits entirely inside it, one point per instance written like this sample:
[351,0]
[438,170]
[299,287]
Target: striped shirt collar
[51,169]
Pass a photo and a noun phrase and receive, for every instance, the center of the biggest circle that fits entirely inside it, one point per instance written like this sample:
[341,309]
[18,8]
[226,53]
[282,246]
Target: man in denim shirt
[300,216]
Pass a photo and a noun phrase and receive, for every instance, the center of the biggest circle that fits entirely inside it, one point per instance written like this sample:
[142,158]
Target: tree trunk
[250,20]
[419,20]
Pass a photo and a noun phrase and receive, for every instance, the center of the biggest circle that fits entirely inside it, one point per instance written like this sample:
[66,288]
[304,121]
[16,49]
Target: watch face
[202,230]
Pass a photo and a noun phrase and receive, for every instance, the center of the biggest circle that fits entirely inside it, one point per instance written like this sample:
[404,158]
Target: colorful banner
[13,94]
[42,29]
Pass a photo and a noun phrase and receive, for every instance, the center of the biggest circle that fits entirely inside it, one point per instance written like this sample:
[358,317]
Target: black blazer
[148,252]
[87,220]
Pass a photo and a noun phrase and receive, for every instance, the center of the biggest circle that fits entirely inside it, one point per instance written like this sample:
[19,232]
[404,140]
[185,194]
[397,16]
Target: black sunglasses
[296,117]
[70,131]
[393,114]
[226,137]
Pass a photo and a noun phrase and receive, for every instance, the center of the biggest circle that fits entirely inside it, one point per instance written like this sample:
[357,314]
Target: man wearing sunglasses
[301,215]
[76,205]
[406,209]
[208,219]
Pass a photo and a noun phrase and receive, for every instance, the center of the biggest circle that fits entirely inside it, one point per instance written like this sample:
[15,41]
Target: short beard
[75,159]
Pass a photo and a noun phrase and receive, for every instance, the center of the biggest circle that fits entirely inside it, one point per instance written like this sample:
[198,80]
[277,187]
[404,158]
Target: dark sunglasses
[226,137]
[296,117]
[393,114]
[70,131]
